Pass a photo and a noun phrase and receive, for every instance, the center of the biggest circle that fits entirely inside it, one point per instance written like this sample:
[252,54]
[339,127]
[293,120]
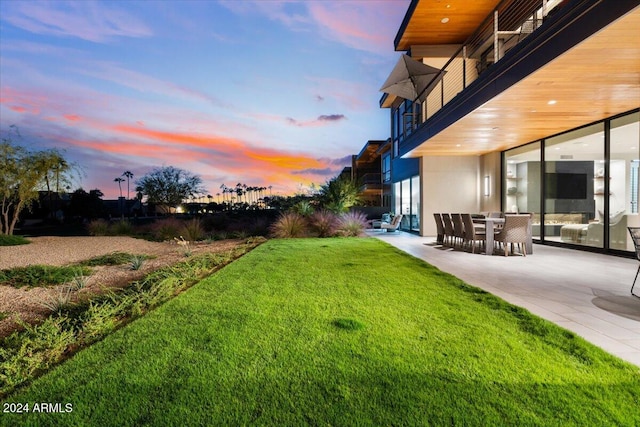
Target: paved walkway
[584,292]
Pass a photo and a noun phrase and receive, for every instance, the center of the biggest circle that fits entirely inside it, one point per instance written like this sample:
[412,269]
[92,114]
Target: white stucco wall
[449,184]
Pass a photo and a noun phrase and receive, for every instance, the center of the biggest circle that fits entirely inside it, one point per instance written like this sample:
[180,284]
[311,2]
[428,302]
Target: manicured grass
[40,275]
[337,332]
[10,240]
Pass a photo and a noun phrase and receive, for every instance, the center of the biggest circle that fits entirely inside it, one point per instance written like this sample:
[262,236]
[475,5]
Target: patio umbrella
[409,79]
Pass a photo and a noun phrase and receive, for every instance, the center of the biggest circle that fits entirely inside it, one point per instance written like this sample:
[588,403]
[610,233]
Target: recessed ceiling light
[444,20]
[557,148]
[457,145]
[448,6]
[552,102]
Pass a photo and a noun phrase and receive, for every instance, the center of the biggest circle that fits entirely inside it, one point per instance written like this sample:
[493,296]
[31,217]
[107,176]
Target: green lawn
[337,332]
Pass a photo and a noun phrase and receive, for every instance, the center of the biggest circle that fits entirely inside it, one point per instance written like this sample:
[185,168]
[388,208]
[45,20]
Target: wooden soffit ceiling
[596,79]
[425,26]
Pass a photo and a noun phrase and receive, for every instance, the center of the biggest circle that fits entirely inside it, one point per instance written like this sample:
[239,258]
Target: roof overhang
[437,22]
[596,79]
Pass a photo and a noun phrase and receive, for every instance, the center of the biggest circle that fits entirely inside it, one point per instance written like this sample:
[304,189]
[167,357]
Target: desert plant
[166,229]
[114,258]
[79,281]
[39,275]
[122,228]
[185,245]
[324,223]
[58,301]
[11,240]
[193,230]
[136,262]
[352,224]
[289,225]
[98,227]
[303,207]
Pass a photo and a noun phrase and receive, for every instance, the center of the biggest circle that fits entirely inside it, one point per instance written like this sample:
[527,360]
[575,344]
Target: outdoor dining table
[490,227]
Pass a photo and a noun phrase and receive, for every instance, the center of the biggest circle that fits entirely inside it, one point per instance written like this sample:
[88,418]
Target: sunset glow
[277,93]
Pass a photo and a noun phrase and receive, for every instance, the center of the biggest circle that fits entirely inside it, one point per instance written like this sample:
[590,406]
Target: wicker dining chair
[514,231]
[471,233]
[635,236]
[458,229]
[439,228]
[448,229]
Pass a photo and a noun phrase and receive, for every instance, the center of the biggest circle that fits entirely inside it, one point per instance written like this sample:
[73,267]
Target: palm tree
[129,175]
[119,181]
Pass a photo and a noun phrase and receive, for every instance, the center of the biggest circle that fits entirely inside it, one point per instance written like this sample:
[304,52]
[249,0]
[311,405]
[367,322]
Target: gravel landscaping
[26,303]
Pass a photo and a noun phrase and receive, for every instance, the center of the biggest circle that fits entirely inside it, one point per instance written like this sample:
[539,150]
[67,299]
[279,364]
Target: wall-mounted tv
[565,185]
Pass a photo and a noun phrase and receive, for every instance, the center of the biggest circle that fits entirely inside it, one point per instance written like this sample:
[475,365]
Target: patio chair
[458,229]
[471,233]
[394,225]
[448,229]
[635,236]
[514,231]
[439,228]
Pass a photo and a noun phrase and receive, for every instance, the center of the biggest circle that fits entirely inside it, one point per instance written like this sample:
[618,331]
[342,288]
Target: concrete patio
[584,292]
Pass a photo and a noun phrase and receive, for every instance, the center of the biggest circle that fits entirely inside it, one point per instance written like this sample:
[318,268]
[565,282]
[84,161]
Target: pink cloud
[365,25]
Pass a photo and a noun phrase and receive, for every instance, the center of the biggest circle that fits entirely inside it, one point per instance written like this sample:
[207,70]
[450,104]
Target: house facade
[535,108]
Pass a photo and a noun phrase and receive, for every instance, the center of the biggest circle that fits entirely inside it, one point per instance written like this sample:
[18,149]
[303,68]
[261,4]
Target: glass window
[397,205]
[522,182]
[415,203]
[386,167]
[574,187]
[622,180]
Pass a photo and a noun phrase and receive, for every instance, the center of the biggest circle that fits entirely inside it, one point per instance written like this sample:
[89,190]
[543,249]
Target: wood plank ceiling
[426,27]
[596,79]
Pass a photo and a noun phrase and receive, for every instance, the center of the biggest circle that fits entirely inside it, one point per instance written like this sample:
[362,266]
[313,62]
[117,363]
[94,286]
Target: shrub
[40,275]
[136,262]
[11,240]
[324,223]
[167,229]
[121,228]
[352,224]
[303,207]
[59,301]
[193,230]
[289,225]
[114,258]
[98,227]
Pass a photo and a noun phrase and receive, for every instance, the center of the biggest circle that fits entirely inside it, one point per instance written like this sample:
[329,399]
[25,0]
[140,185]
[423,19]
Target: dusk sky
[264,93]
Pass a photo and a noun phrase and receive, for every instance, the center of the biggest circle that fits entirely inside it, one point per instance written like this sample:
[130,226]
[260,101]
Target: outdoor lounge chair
[635,236]
[394,225]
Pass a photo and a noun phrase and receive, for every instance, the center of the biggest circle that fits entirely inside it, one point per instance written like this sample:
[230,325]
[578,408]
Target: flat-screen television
[566,185]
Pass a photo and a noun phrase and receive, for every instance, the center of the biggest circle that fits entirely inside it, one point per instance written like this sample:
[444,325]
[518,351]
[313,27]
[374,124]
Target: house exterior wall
[449,184]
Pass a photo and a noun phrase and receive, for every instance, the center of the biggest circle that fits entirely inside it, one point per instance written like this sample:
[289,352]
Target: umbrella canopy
[409,79]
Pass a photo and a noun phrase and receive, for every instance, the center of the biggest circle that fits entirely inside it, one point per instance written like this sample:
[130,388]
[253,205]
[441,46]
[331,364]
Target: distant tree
[22,173]
[119,181]
[128,175]
[168,186]
[86,205]
[338,194]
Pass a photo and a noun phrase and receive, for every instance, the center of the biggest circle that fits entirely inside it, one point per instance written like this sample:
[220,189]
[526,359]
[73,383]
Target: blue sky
[266,93]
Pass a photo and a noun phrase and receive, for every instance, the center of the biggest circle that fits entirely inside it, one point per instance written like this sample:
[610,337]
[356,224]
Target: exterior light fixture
[487,186]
